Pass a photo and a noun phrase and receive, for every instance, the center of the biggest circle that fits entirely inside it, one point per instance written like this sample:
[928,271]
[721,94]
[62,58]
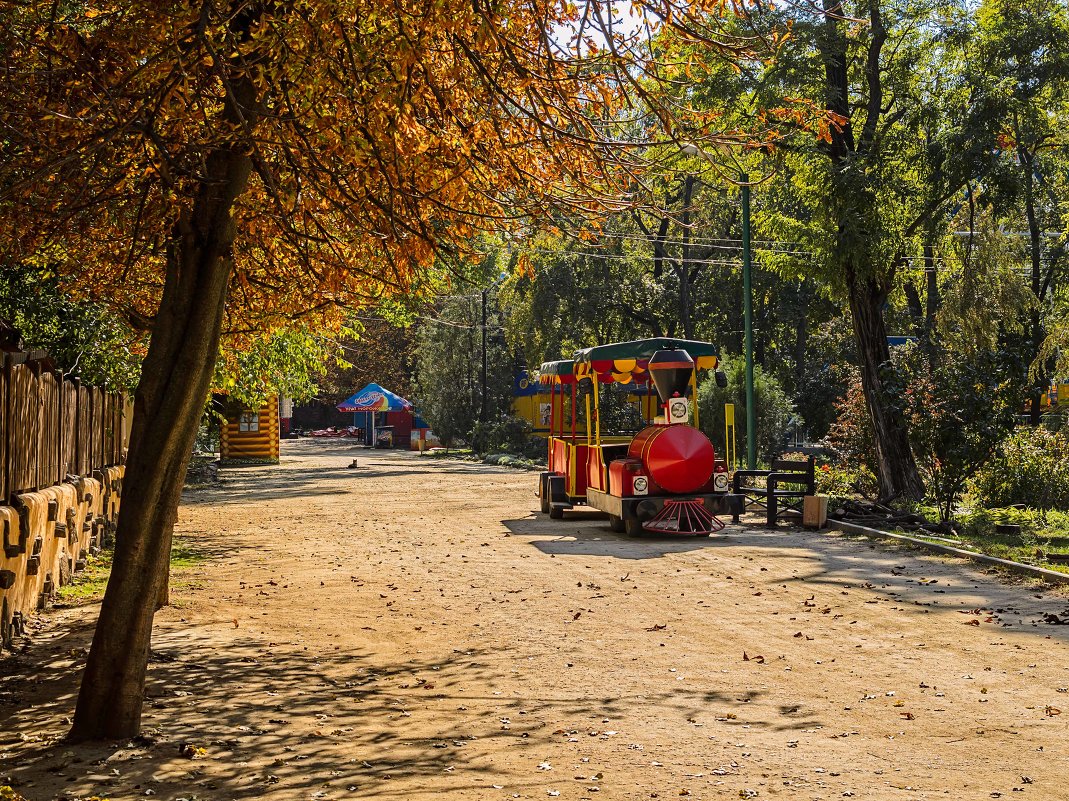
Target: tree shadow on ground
[253,484]
[257,719]
[914,581]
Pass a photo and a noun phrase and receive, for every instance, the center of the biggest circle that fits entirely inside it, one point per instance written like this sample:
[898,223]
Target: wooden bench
[786,485]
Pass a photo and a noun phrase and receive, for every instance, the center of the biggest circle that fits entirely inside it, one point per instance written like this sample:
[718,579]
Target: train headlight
[720,482]
[641,485]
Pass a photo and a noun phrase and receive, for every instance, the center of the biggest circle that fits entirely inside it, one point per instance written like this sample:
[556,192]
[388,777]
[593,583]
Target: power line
[622,257]
[711,241]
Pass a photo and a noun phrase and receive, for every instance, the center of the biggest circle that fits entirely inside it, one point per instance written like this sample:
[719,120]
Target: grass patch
[88,585]
[1031,536]
[1028,536]
[185,554]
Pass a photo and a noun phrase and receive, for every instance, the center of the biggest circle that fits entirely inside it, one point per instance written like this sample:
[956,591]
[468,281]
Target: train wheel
[543,495]
[556,512]
[616,523]
[633,527]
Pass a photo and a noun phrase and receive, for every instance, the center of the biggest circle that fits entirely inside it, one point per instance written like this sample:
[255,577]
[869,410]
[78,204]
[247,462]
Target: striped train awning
[623,362]
[559,372]
[628,362]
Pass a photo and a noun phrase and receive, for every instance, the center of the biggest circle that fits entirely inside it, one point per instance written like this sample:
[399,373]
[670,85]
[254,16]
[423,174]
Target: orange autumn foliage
[383,133]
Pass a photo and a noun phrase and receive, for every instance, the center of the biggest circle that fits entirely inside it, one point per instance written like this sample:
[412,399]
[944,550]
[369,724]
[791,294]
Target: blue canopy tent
[369,400]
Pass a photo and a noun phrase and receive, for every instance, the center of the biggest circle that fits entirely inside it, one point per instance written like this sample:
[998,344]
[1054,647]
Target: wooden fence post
[37,407]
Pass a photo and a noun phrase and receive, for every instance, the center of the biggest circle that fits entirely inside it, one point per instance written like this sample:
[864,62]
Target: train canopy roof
[559,372]
[627,362]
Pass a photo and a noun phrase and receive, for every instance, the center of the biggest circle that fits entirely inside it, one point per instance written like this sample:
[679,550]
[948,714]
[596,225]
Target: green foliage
[508,434]
[841,480]
[288,363]
[1030,467]
[448,370]
[773,408]
[87,339]
[960,408]
[823,375]
[984,295]
[616,413]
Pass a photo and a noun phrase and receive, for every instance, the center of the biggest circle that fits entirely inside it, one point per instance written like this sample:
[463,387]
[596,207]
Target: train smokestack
[671,371]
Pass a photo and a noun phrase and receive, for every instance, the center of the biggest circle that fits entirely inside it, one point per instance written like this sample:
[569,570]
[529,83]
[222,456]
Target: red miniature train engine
[666,479]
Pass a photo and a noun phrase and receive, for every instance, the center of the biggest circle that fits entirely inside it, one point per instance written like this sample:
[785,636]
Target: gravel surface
[413,628]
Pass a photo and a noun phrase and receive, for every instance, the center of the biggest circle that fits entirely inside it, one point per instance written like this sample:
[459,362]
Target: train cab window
[249,421]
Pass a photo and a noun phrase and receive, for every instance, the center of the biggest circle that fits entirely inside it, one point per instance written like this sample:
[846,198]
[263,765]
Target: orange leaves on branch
[381,135]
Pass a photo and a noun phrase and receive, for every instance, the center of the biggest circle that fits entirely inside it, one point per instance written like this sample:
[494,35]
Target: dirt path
[412,629]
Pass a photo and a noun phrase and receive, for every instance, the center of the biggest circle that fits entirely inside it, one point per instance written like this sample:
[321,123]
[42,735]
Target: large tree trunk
[896,466]
[176,376]
[867,291]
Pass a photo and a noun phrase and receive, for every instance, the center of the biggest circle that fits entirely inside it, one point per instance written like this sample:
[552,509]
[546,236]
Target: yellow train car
[532,400]
[1056,395]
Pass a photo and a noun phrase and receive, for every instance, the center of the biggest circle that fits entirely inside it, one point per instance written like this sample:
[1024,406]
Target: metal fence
[52,427]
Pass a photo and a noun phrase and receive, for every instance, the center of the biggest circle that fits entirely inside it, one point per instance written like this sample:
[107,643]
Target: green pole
[747,322]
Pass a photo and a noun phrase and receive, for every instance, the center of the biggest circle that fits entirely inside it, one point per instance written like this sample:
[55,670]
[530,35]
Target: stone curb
[1016,567]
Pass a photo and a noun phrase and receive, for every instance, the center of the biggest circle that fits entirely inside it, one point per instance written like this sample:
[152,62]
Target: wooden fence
[52,427]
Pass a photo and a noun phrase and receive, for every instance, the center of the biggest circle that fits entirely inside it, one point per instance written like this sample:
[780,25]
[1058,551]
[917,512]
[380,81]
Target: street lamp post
[747,325]
[482,375]
[692,149]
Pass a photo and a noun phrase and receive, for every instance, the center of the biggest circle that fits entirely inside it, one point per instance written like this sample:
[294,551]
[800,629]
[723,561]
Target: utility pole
[482,401]
[747,321]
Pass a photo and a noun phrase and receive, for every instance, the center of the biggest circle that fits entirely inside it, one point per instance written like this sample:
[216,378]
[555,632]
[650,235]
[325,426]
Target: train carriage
[665,479]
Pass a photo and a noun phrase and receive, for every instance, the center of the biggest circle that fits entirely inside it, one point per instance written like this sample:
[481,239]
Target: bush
[508,434]
[1030,467]
[850,436]
[536,448]
[843,480]
[510,460]
[773,408]
[959,409]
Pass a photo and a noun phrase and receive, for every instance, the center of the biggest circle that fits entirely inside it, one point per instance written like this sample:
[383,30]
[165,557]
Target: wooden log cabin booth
[249,435]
